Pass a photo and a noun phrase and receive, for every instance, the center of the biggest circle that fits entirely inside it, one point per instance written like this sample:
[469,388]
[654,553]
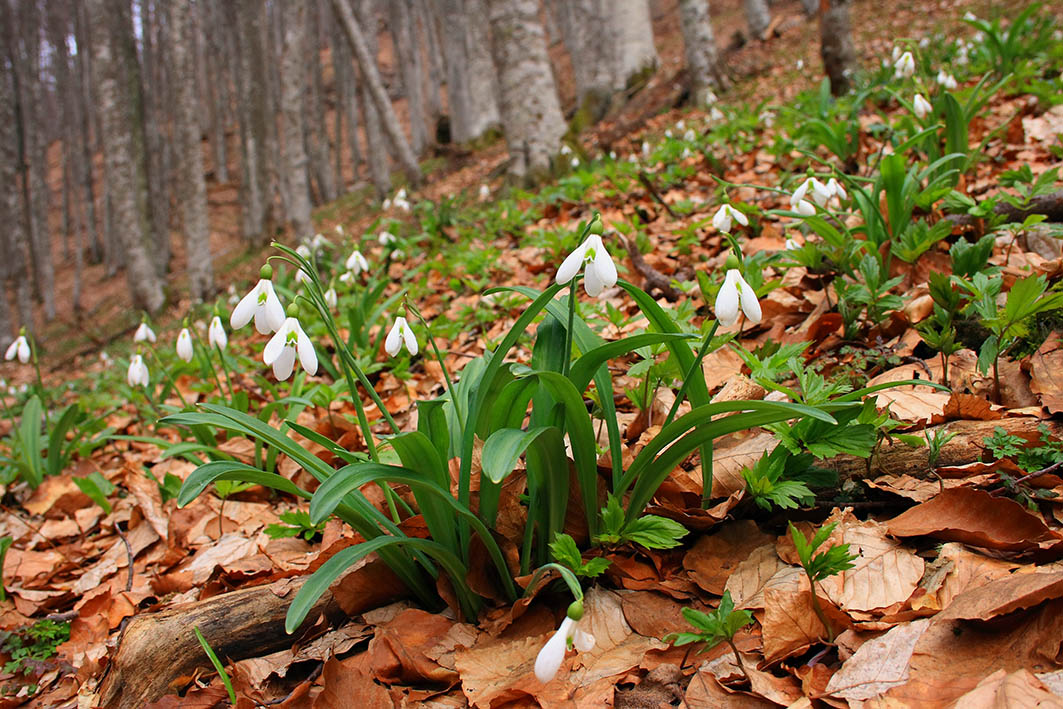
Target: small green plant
[98,488]
[31,647]
[1034,460]
[651,531]
[5,544]
[565,551]
[295,524]
[822,565]
[218,666]
[40,447]
[719,626]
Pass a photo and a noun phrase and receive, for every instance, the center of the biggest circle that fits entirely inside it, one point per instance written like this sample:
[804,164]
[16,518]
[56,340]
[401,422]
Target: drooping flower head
[216,334]
[356,262]
[550,657]
[184,345]
[600,271]
[401,334]
[290,342]
[138,372]
[735,293]
[724,216]
[262,304]
[144,333]
[19,348]
[904,66]
[921,107]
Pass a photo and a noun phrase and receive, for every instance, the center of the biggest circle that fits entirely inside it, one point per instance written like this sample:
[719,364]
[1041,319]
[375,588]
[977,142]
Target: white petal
[409,338]
[726,306]
[307,354]
[393,342]
[283,365]
[276,344]
[245,309]
[748,297]
[739,216]
[722,219]
[805,208]
[273,311]
[571,265]
[584,642]
[549,660]
[184,346]
[592,283]
[819,192]
[23,350]
[602,268]
[799,193]
[11,350]
[216,334]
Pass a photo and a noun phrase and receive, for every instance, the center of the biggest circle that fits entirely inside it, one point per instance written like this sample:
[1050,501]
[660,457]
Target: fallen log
[896,458]
[157,650]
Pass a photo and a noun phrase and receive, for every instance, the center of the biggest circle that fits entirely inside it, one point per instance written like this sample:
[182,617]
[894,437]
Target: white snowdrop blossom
[690,136]
[711,98]
[401,334]
[216,334]
[184,345]
[339,231]
[485,193]
[792,245]
[401,194]
[767,119]
[799,204]
[895,54]
[800,64]
[356,263]
[632,159]
[281,351]
[565,150]
[725,214]
[402,204]
[138,372]
[261,303]
[921,107]
[144,334]
[820,192]
[685,154]
[319,242]
[645,149]
[20,348]
[716,114]
[733,293]
[947,80]
[970,16]
[680,124]
[600,272]
[612,155]
[668,133]
[904,66]
[836,190]
[575,162]
[549,659]
[386,238]
[330,297]
[347,277]
[386,204]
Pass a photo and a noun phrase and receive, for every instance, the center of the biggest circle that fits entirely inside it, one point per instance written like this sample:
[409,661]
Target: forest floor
[954,598]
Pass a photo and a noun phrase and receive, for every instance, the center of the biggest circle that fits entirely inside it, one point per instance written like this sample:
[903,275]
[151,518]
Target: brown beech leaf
[757,572]
[790,624]
[973,517]
[1001,690]
[955,571]
[883,573]
[1046,374]
[349,683]
[911,404]
[1004,596]
[878,665]
[715,557]
[404,649]
[952,656]
[704,692]
[652,614]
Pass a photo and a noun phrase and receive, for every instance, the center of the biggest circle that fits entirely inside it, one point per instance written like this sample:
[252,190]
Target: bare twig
[129,556]
[648,184]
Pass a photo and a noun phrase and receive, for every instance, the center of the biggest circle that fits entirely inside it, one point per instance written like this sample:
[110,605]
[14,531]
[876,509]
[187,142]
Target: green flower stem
[696,366]
[566,365]
[166,373]
[439,357]
[204,350]
[37,369]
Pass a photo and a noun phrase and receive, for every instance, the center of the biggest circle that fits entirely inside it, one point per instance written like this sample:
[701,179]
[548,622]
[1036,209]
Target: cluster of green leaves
[30,647]
[713,628]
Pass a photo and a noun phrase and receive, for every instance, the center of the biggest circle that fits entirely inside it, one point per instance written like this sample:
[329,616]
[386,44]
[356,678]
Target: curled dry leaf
[715,557]
[1004,596]
[1017,689]
[878,665]
[973,517]
[790,624]
[955,571]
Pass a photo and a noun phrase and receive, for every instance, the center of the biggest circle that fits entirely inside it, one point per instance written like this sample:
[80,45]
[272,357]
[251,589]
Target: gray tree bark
[293,79]
[425,13]
[216,60]
[376,147]
[836,44]
[531,111]
[99,246]
[811,7]
[371,78]
[411,67]
[347,87]
[594,63]
[703,64]
[191,184]
[632,25]
[120,157]
[758,17]
[146,83]
[319,142]
[472,86]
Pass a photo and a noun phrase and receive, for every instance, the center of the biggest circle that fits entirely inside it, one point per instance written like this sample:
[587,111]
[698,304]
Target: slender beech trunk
[293,79]
[13,271]
[703,64]
[531,111]
[758,18]
[318,139]
[347,88]
[191,184]
[408,55]
[424,12]
[836,44]
[472,85]
[371,78]
[119,155]
[216,63]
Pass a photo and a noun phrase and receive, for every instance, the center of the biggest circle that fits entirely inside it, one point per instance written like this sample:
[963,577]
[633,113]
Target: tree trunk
[192,187]
[120,156]
[84,104]
[531,112]
[319,140]
[424,13]
[811,7]
[703,64]
[144,86]
[594,64]
[632,39]
[408,55]
[216,60]
[293,79]
[836,44]
[371,78]
[347,88]
[375,143]
[758,17]
[13,272]
[472,87]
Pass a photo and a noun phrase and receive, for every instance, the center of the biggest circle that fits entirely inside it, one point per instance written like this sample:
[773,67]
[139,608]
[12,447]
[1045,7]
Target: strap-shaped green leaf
[584,369]
[204,475]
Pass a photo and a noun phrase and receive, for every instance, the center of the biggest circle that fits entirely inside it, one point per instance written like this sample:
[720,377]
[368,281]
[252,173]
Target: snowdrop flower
[792,245]
[330,297]
[722,219]
[280,352]
[680,124]
[304,251]
[632,159]
[401,334]
[575,162]
[970,16]
[565,150]
[105,358]
[690,136]
[711,98]
[800,64]
[685,154]
[645,149]
[948,81]
[820,192]
[767,118]
[668,133]
[386,238]
[144,334]
[904,66]
[921,107]
[549,659]
[356,262]
[799,204]
[485,193]
[402,204]
[401,194]
[600,272]
[733,293]
[924,42]
[302,277]
[612,155]
[896,54]
[138,372]
[386,205]
[319,242]
[216,334]
[347,277]
[20,347]
[836,190]
[184,345]
[339,230]
[716,114]
[262,304]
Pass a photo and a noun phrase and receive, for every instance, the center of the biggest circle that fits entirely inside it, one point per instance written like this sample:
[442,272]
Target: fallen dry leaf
[1004,596]
[715,557]
[761,569]
[1046,374]
[1001,690]
[790,624]
[884,572]
[955,571]
[878,665]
